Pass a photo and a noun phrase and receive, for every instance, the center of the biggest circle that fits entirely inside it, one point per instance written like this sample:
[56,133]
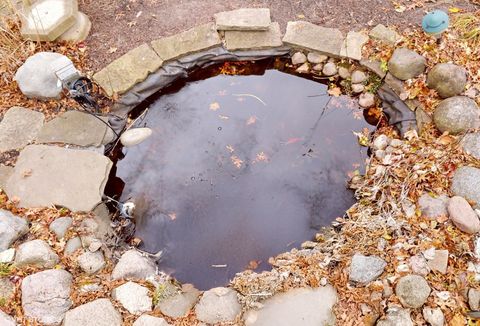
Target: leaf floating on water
[230,148]
[251,120]
[172,216]
[293,140]
[214,106]
[253,264]
[236,161]
[362,138]
[261,157]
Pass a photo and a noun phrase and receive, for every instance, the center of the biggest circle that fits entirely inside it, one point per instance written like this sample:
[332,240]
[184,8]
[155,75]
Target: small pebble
[318,67]
[303,69]
[381,142]
[357,88]
[299,58]
[366,100]
[343,72]
[358,77]
[313,57]
[329,69]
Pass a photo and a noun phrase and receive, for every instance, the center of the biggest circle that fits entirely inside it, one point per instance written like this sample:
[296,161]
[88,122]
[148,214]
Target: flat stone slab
[73,127]
[48,19]
[79,31]
[254,40]
[19,127]
[128,70]
[244,19]
[305,35]
[194,40]
[306,307]
[353,44]
[48,175]
[382,33]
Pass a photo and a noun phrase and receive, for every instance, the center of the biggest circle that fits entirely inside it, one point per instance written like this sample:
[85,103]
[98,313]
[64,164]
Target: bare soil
[118,26]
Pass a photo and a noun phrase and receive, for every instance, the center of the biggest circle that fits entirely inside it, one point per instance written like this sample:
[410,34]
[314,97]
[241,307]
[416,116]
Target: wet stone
[60,226]
[12,227]
[457,114]
[471,144]
[466,183]
[405,64]
[254,40]
[19,127]
[218,305]
[36,253]
[413,291]
[244,19]
[433,207]
[100,312]
[382,33]
[364,269]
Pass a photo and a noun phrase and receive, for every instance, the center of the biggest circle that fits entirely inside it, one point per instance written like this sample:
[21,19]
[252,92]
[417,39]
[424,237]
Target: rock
[133,265]
[12,227]
[396,143]
[299,58]
[7,256]
[36,253]
[91,287]
[374,66]
[474,299]
[344,72]
[218,305]
[126,71]
[60,226]
[303,69]
[316,58]
[353,45]
[36,77]
[419,266]
[72,245]
[46,296]
[318,67]
[456,114]
[6,320]
[7,289]
[463,215]
[305,35]
[147,320]
[135,136]
[133,297]
[433,316]
[364,269]
[5,172]
[254,40]
[447,79]
[466,183]
[179,305]
[433,207]
[357,88]
[396,316]
[79,31]
[471,144]
[329,69]
[381,142]
[380,154]
[358,77]
[405,64]
[422,118]
[412,290]
[366,100]
[81,174]
[244,19]
[19,127]
[440,261]
[73,127]
[96,313]
[91,262]
[302,306]
[382,33]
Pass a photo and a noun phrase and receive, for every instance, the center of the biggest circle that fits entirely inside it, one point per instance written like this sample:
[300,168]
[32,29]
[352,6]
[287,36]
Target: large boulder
[413,291]
[456,114]
[405,64]
[218,305]
[133,265]
[466,183]
[36,253]
[19,127]
[12,227]
[447,79]
[100,312]
[364,269]
[471,144]
[46,296]
[36,77]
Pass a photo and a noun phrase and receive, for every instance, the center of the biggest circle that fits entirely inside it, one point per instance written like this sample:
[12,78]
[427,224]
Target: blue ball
[435,22]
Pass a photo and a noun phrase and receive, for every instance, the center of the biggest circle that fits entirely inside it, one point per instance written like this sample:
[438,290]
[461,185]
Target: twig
[251,95]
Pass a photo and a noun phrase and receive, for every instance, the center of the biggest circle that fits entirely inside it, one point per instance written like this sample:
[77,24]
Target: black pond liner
[219,196]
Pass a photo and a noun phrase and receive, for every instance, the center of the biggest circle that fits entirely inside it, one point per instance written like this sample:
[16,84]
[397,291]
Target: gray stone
[364,269]
[7,256]
[128,70]
[474,299]
[419,265]
[433,207]
[434,316]
[405,64]
[316,58]
[358,77]
[243,19]
[79,31]
[254,40]
[382,33]
[19,127]
[344,72]
[381,142]
[329,69]
[147,320]
[299,58]
[374,66]
[194,40]
[218,305]
[353,45]
[457,114]
[412,291]
[5,172]
[471,144]
[133,297]
[73,127]
[133,265]
[396,85]
[423,119]
[100,312]
[305,35]
[46,296]
[6,320]
[36,77]
[58,176]
[36,253]
[72,245]
[91,262]
[439,262]
[466,183]
[12,227]
[179,305]
[48,19]
[304,306]
[318,67]
[7,289]
[60,226]
[303,69]
[366,100]
[447,79]
[396,316]
[463,215]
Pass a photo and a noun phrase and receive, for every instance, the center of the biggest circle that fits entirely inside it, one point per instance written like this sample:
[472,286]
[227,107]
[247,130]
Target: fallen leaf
[454,9]
[335,91]
[251,120]
[400,8]
[214,106]
[112,50]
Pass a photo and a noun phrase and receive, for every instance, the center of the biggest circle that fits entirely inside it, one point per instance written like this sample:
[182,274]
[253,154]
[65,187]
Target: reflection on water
[240,168]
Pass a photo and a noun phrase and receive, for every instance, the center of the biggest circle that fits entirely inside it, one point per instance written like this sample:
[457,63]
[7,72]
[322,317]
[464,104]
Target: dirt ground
[118,26]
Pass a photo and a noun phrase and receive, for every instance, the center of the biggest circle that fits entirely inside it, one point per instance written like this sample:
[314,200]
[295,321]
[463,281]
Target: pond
[240,168]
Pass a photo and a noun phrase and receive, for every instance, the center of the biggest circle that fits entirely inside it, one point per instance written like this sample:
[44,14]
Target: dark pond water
[239,169]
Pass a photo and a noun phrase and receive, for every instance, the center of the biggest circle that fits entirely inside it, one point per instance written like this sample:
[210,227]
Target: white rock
[7,256]
[12,227]
[357,88]
[135,136]
[60,226]
[366,100]
[133,297]
[303,69]
[147,320]
[133,265]
[72,245]
[218,305]
[299,58]
[344,72]
[36,253]
[6,320]
[91,262]
[358,77]
[329,69]
[316,58]
[381,142]
[396,316]
[96,313]
[433,316]
[318,67]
